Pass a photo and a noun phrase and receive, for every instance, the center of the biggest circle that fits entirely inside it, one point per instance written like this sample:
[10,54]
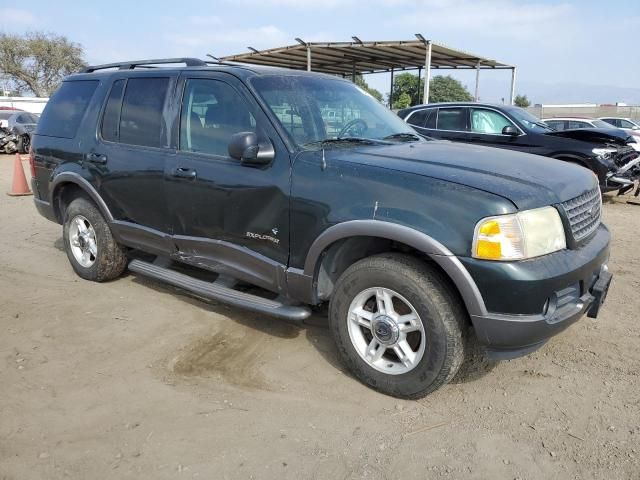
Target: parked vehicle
[607,154]
[410,242]
[19,123]
[620,122]
[22,125]
[570,123]
[630,126]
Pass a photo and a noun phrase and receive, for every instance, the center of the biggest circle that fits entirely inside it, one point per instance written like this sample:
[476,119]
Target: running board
[219,292]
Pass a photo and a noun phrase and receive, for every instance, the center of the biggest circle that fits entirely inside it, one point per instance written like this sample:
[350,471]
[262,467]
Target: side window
[488,121]
[626,124]
[555,124]
[418,118]
[64,111]
[111,116]
[452,119]
[431,119]
[141,121]
[578,124]
[212,111]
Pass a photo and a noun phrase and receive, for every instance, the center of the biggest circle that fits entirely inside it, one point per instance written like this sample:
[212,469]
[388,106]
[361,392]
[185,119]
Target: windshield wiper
[346,141]
[403,136]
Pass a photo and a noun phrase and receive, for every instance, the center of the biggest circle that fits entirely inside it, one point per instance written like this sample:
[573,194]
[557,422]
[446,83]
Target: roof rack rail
[189,62]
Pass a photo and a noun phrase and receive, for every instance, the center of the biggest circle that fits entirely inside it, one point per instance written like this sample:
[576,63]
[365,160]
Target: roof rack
[189,62]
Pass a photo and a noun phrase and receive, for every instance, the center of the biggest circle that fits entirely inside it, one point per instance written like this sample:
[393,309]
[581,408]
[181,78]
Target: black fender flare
[420,241]
[83,183]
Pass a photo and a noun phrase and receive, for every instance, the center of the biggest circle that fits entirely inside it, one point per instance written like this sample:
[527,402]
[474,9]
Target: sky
[581,51]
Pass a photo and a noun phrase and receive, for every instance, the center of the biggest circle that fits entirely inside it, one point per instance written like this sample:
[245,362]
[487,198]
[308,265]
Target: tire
[24,142]
[428,294]
[106,258]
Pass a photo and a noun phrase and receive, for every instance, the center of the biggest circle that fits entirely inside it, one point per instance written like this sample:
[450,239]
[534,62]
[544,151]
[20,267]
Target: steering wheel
[352,123]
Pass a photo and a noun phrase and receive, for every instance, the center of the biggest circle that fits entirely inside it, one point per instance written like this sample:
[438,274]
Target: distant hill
[554,93]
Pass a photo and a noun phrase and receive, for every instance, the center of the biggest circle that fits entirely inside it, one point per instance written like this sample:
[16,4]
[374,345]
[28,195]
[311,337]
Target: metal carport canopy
[359,57]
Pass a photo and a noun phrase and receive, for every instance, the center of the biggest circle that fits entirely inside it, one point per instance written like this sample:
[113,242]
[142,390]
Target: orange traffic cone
[19,186]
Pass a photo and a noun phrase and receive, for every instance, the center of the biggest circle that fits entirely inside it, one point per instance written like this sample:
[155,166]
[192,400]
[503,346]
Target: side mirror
[244,146]
[511,131]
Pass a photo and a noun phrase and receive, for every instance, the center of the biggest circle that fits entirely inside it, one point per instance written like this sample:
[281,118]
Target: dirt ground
[132,379]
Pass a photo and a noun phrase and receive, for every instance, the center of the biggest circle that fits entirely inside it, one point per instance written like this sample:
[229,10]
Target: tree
[406,83]
[403,102]
[448,89]
[441,89]
[360,81]
[37,62]
[521,101]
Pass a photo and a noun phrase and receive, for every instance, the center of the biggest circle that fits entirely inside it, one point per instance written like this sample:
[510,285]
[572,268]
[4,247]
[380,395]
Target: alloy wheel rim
[386,330]
[82,239]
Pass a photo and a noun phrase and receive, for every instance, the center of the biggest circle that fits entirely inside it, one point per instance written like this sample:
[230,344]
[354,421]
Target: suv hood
[528,181]
[595,135]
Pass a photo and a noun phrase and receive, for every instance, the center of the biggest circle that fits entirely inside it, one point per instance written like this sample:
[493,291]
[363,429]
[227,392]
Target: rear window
[64,111]
[452,119]
[418,118]
[141,121]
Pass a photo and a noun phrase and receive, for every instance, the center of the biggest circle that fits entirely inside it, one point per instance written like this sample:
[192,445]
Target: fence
[28,104]
[590,111]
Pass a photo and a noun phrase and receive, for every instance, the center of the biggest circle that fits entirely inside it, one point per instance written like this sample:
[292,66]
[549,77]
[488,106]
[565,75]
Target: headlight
[519,236]
[604,152]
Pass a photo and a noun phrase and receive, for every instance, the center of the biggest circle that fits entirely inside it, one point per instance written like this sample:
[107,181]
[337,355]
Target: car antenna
[216,59]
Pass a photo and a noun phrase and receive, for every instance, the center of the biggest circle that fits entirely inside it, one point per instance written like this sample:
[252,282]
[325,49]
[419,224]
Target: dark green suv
[304,187]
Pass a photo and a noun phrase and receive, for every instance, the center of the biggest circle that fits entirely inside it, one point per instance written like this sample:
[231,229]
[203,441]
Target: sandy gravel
[132,379]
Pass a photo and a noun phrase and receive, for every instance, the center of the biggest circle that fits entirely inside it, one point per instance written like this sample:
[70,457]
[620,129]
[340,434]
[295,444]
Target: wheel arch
[69,185]
[341,245]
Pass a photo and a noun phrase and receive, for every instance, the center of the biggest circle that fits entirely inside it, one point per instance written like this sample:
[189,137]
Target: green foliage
[404,101]
[521,101]
[37,62]
[441,89]
[360,81]
[447,89]
[406,84]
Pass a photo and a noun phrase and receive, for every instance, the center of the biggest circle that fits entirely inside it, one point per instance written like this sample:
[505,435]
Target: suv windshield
[529,121]
[315,110]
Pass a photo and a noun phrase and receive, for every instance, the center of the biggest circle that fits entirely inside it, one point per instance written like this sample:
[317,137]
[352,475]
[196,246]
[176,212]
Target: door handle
[184,172]
[95,158]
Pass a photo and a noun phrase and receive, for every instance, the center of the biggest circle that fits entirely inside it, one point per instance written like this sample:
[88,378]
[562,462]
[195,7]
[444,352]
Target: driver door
[226,215]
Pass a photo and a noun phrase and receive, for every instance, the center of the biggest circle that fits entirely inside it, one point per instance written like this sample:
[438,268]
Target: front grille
[624,155]
[583,213]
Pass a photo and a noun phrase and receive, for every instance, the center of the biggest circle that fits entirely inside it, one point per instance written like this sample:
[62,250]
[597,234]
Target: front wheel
[398,325]
[93,252]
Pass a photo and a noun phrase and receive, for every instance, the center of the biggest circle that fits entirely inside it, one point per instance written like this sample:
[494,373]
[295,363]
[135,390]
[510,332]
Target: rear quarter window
[64,111]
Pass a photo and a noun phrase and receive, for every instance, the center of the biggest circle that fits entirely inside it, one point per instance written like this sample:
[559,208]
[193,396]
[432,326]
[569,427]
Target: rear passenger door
[132,148]
[452,123]
[224,214]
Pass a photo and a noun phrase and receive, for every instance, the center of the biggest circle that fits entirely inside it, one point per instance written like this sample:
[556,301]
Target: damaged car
[22,125]
[604,151]
[224,180]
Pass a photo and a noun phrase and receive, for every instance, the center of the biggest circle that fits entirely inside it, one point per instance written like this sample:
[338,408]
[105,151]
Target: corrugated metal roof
[345,58]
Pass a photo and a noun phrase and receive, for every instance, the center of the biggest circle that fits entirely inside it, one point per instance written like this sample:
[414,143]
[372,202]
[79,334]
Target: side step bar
[220,292]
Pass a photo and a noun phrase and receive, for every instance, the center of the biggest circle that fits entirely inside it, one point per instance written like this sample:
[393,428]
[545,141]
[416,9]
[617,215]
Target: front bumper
[528,302]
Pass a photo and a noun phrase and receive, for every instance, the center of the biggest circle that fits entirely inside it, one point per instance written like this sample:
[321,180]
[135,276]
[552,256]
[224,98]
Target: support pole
[391,90]
[427,73]
[353,73]
[513,86]
[477,96]
[419,90]
[308,58]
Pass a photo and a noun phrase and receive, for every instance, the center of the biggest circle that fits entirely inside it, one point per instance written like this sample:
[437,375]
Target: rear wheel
[93,252]
[398,325]
[24,143]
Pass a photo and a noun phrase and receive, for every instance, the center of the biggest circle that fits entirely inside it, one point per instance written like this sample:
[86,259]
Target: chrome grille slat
[583,213]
